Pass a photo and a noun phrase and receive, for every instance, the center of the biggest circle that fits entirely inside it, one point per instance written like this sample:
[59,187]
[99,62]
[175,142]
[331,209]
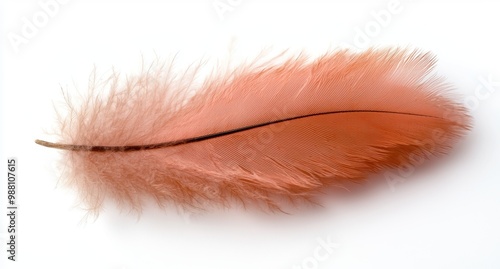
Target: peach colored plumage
[260,135]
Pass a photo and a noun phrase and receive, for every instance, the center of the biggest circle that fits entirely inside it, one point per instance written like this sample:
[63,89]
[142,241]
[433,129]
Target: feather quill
[259,135]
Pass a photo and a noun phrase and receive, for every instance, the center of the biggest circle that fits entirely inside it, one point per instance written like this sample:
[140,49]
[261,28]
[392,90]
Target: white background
[445,214]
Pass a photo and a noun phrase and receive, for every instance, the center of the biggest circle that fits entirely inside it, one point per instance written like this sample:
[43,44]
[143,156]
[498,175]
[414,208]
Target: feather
[260,135]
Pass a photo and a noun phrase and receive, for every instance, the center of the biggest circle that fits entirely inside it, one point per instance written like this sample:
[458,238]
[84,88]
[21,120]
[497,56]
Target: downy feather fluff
[261,135]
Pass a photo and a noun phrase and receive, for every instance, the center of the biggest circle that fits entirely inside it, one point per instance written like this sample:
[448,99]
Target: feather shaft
[195,139]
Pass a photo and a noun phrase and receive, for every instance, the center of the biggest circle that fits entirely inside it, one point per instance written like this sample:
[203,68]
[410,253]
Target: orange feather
[260,135]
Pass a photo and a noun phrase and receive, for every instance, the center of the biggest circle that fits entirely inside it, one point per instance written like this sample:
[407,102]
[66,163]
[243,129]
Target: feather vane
[260,135]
